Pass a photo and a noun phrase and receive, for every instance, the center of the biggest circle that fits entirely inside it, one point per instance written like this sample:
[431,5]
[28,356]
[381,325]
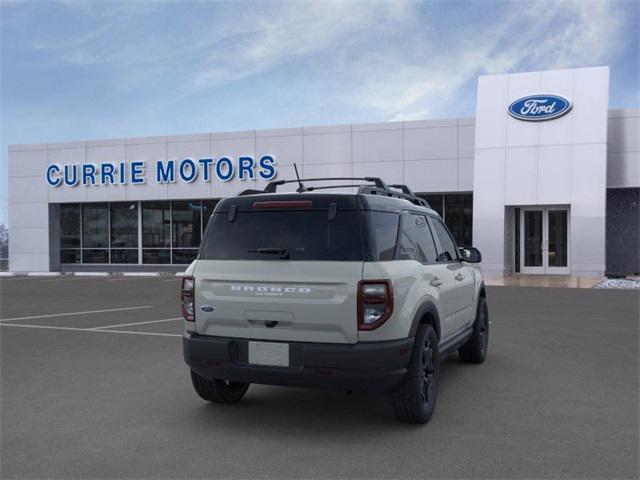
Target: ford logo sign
[536,108]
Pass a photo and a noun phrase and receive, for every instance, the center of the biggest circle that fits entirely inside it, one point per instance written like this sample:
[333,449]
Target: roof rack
[376,186]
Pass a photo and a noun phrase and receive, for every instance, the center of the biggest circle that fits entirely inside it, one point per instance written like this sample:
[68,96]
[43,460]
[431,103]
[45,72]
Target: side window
[383,228]
[449,252]
[416,241]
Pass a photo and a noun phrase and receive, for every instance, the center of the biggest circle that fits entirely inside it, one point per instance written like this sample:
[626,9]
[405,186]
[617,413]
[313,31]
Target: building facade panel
[519,190]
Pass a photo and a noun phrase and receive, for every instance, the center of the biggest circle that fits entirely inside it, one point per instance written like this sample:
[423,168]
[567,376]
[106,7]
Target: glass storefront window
[108,232]
[458,211]
[69,226]
[184,255]
[156,256]
[436,200]
[186,218]
[156,224]
[95,225]
[124,225]
[127,255]
[90,255]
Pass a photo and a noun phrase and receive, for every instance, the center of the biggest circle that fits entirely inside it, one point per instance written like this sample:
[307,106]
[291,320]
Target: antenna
[301,187]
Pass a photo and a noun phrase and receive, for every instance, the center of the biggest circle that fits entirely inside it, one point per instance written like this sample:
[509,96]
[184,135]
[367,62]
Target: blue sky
[74,70]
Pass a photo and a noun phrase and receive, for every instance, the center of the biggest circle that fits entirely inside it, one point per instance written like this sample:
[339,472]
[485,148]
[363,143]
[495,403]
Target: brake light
[284,204]
[375,303]
[187,298]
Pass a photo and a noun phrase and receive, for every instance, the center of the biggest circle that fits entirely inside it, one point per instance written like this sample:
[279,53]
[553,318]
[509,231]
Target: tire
[415,399]
[475,349]
[218,391]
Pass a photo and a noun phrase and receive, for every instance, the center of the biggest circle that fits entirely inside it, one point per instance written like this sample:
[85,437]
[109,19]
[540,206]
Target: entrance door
[544,244]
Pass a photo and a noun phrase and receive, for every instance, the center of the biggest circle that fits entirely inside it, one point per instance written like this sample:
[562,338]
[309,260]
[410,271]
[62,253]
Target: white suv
[351,291]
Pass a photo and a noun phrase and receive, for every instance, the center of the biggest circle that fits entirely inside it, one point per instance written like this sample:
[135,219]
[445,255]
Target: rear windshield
[295,235]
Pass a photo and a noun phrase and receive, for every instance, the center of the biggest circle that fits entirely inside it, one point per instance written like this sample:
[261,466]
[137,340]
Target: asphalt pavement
[93,385]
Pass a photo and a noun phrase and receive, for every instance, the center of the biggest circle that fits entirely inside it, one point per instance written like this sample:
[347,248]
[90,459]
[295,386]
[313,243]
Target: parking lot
[94,386]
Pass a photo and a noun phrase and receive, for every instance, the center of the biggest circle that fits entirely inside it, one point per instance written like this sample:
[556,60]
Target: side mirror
[470,255]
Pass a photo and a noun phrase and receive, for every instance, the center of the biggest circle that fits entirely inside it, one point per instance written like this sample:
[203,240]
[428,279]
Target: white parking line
[136,323]
[75,313]
[47,327]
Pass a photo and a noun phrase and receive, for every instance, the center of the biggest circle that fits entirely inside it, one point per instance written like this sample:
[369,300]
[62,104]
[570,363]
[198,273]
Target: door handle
[459,277]
[436,282]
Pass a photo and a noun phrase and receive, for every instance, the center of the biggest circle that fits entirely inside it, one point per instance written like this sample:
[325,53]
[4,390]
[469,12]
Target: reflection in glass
[95,256]
[186,223]
[127,255]
[69,225]
[70,255]
[533,238]
[184,255]
[558,238]
[124,225]
[459,217]
[95,225]
[156,256]
[156,224]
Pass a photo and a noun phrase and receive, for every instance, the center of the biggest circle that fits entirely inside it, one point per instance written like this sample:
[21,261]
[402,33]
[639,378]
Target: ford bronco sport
[353,291]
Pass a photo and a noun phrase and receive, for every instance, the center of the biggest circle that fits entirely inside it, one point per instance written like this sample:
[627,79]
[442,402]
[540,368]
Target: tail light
[375,303]
[187,298]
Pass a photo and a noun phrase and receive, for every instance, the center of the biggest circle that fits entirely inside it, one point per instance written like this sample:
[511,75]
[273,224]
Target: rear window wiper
[283,252]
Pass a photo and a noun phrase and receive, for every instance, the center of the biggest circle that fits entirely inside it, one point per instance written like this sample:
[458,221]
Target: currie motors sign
[187,170]
[540,107]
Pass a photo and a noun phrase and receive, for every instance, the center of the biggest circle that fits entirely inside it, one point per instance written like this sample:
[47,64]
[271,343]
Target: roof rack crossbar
[273,186]
[376,187]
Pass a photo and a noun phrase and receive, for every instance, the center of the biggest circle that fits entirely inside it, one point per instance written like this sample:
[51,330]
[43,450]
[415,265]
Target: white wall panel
[491,122]
[431,143]
[390,172]
[327,148]
[624,134]
[521,176]
[623,169]
[432,175]
[554,175]
[591,104]
[28,215]
[29,240]
[287,149]
[558,131]
[28,189]
[521,133]
[377,146]
[29,262]
[27,163]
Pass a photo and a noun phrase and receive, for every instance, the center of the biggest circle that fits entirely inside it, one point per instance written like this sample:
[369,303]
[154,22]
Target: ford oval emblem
[207,308]
[536,108]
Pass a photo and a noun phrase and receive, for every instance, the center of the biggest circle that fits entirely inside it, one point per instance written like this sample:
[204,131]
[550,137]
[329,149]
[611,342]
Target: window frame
[432,220]
[403,218]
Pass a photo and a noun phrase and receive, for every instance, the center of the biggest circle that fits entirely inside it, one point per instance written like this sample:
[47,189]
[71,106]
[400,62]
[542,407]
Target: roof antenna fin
[301,187]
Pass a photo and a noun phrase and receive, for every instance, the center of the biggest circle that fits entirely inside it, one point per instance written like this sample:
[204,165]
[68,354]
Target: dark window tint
[95,256]
[382,234]
[184,255]
[95,225]
[208,206]
[156,224]
[127,255]
[449,252]
[124,225]
[416,242]
[186,223]
[459,217]
[69,226]
[70,256]
[436,201]
[306,235]
[156,256]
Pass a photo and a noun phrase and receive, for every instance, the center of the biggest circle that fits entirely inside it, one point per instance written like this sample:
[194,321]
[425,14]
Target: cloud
[527,36]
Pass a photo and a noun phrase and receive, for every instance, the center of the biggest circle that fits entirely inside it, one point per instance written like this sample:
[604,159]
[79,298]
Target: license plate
[269,353]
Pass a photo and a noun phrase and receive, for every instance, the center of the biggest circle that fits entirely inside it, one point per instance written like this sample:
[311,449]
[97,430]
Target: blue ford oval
[536,108]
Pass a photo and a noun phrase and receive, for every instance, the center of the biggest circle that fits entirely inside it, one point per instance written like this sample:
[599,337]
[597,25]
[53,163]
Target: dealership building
[544,180]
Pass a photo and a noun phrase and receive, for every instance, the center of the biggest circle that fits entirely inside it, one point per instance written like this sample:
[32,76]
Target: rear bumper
[371,367]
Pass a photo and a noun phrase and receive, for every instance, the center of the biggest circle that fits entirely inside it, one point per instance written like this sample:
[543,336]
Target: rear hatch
[281,267]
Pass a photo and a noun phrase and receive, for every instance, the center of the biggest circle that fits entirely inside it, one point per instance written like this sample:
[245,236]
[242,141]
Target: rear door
[285,272]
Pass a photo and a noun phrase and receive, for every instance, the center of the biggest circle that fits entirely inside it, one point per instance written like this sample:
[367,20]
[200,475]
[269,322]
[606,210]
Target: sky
[76,70]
